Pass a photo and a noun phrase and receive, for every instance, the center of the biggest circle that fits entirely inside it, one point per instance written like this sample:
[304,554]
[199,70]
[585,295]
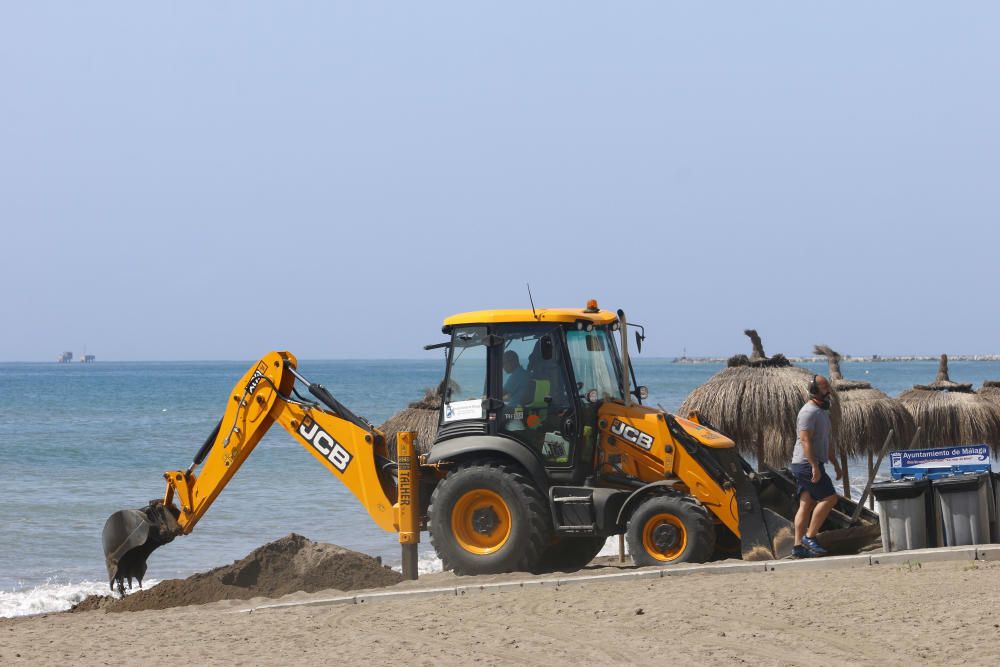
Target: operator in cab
[518,389]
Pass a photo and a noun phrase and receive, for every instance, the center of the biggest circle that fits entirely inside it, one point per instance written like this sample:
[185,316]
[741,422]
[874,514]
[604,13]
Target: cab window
[466,387]
[592,356]
[536,402]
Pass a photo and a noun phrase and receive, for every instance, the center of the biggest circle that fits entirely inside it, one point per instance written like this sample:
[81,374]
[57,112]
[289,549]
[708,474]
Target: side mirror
[642,392]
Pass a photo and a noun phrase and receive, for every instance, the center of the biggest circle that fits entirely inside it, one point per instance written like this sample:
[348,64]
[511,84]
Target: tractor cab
[534,377]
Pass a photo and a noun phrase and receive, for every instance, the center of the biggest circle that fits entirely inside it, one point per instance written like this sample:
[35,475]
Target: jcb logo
[632,434]
[325,444]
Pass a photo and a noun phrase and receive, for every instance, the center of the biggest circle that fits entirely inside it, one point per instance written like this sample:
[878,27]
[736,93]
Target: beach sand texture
[934,613]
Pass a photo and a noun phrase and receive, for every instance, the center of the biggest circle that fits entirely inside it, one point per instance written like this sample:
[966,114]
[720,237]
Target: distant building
[65,358]
[88,359]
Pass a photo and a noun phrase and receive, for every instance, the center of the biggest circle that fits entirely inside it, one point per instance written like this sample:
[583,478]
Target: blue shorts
[803,477]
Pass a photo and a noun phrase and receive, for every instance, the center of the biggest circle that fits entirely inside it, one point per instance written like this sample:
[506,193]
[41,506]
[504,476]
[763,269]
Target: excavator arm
[345,444]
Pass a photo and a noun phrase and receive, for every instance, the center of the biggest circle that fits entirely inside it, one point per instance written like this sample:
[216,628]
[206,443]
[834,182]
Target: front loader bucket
[767,502]
[839,535]
[766,531]
[765,535]
[129,537]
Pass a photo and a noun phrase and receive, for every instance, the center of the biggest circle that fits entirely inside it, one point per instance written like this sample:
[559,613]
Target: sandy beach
[932,613]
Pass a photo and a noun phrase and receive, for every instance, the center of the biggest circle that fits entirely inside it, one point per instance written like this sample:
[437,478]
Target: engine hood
[705,436]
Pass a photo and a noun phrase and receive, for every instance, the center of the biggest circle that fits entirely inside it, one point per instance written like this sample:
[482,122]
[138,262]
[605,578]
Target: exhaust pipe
[129,537]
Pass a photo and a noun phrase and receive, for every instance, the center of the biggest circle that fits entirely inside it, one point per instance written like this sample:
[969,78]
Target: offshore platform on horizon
[67,357]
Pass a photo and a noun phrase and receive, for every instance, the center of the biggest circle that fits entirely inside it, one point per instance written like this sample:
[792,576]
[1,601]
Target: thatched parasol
[755,401]
[421,416]
[991,392]
[950,413]
[866,416]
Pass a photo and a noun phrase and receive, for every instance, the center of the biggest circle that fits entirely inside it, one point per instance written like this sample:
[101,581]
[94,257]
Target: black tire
[664,530]
[571,553]
[502,521]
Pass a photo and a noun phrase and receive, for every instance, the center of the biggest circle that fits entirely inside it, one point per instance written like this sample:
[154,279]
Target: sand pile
[284,566]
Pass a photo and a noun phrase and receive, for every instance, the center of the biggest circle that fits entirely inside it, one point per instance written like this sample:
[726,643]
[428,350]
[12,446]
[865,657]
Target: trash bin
[905,514]
[995,507]
[963,504]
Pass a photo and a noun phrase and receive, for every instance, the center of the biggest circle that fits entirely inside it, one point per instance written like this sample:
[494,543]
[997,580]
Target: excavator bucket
[130,536]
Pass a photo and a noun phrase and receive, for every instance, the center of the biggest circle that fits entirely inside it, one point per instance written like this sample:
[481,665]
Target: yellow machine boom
[350,448]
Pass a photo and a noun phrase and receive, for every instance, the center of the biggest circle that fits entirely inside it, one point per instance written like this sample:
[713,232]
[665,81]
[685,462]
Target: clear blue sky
[180,181]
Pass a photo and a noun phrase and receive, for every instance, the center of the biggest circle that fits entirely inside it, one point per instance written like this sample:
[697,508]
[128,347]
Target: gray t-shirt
[816,420]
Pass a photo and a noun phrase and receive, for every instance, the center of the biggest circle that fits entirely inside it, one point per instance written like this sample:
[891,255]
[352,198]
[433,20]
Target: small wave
[610,547]
[51,597]
[427,563]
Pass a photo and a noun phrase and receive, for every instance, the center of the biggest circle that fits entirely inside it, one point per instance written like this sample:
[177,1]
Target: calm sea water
[80,441]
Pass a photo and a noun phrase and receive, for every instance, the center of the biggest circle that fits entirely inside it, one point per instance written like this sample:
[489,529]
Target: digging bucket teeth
[129,537]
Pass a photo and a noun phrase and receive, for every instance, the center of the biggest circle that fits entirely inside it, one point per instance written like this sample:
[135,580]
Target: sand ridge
[289,565]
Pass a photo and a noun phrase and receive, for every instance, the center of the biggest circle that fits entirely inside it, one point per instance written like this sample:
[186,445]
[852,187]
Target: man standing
[812,451]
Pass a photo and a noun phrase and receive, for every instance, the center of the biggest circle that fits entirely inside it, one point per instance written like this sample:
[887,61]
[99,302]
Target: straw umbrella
[755,401]
[866,416]
[991,392]
[421,416]
[950,413]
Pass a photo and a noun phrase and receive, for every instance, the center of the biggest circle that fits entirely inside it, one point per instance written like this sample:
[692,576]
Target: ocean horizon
[79,441]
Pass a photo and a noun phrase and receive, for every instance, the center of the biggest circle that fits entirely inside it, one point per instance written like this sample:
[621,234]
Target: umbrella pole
[843,470]
[871,475]
[871,479]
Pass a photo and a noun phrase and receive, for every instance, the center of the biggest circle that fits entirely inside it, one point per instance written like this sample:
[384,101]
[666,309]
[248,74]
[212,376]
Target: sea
[81,441]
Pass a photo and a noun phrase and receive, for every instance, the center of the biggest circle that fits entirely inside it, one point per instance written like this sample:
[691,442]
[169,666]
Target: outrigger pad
[129,537]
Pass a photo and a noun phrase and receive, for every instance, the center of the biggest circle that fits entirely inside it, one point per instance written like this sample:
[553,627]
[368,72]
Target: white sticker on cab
[457,410]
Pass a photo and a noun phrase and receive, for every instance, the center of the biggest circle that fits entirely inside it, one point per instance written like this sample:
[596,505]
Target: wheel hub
[666,537]
[485,520]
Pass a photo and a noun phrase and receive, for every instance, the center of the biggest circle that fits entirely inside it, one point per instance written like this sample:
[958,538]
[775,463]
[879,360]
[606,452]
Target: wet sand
[934,613]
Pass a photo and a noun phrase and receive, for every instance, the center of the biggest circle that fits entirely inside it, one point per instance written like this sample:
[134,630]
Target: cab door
[539,408]
[596,376]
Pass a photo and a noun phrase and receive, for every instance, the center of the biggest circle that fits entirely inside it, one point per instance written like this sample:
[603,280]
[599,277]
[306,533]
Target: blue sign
[952,460]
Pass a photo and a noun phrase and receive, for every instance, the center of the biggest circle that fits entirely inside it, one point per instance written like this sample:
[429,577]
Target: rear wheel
[487,518]
[670,529]
[571,553]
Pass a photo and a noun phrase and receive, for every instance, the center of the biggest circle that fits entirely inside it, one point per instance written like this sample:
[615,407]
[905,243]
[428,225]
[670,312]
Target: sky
[187,181]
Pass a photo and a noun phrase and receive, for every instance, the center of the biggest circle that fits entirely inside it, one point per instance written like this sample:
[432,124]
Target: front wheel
[665,530]
[488,518]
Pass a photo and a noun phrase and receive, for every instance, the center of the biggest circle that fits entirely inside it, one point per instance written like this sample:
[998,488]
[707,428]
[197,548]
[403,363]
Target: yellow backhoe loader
[544,450]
